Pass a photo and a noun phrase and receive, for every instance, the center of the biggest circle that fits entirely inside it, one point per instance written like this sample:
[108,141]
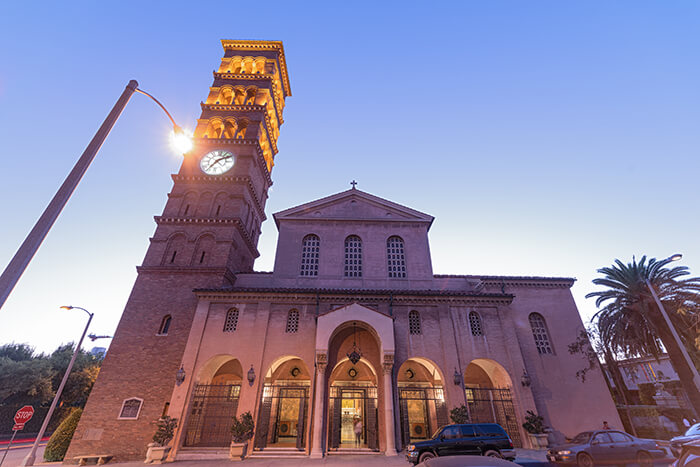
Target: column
[316,446]
[387,366]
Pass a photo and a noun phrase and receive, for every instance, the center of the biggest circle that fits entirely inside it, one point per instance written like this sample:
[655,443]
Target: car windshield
[582,437]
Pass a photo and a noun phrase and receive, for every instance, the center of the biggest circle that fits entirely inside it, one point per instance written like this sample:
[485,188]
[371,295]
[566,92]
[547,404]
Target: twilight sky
[547,138]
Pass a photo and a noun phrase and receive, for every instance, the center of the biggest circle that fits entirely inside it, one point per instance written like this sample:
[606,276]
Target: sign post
[22,416]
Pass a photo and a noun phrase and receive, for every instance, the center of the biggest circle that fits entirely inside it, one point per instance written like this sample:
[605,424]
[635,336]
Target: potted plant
[460,414]
[158,450]
[534,425]
[242,430]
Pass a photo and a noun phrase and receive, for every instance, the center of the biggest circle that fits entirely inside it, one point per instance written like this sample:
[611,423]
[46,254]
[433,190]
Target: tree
[630,323]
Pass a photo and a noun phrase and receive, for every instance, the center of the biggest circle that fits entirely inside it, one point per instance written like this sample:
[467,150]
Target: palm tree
[630,324]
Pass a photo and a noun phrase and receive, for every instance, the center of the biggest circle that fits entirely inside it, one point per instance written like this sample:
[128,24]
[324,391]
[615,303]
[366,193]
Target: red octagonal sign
[24,414]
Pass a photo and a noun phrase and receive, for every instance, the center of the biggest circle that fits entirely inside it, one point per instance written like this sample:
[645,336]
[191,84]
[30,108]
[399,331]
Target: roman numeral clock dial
[216,162]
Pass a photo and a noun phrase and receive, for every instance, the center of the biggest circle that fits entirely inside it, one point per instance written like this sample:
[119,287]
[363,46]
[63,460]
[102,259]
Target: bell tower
[219,195]
[207,233]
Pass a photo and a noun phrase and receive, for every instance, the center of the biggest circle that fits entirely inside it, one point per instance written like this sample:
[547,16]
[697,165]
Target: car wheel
[644,458]
[425,456]
[584,460]
[492,453]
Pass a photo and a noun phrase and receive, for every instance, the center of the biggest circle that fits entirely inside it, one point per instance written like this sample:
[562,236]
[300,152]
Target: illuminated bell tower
[207,233]
[223,183]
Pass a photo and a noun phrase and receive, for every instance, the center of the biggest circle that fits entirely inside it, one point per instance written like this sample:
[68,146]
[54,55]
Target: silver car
[607,447]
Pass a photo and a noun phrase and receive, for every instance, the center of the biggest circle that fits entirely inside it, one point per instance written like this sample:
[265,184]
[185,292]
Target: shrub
[534,424]
[60,439]
[166,430]
[242,429]
[460,414]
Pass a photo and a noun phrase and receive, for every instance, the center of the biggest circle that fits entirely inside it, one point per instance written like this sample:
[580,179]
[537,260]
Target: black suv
[480,439]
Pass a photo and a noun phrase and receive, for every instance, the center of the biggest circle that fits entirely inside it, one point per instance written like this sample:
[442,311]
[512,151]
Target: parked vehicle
[689,455]
[692,434]
[476,439]
[607,447]
[466,461]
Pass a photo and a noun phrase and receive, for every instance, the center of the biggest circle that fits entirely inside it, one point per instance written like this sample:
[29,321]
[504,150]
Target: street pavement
[525,458]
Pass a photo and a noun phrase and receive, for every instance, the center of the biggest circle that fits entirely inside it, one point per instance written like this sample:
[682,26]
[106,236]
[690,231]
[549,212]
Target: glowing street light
[27,250]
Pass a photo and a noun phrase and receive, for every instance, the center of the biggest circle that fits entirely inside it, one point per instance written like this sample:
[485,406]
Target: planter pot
[237,451]
[538,441]
[157,454]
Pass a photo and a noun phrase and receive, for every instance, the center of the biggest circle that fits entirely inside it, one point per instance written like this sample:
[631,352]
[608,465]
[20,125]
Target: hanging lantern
[356,354]
[251,375]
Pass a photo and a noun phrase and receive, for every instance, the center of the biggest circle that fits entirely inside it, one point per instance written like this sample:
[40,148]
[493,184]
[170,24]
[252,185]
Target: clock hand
[217,161]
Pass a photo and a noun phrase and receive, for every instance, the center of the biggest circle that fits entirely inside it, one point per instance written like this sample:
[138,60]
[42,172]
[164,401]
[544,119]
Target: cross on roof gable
[353,204]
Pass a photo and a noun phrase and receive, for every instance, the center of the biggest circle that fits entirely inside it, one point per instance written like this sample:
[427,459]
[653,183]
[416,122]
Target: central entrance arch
[365,386]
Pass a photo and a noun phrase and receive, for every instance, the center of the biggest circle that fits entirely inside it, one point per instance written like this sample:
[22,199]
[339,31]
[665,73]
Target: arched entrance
[353,395]
[214,403]
[489,395]
[422,407]
[284,406]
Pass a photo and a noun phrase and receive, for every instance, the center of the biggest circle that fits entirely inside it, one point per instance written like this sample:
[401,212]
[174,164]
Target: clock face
[216,162]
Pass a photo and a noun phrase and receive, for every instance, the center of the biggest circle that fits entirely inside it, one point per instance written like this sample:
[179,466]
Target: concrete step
[197,454]
[278,453]
[353,452]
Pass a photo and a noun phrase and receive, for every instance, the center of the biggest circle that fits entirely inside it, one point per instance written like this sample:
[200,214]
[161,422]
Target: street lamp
[29,460]
[27,250]
[679,343]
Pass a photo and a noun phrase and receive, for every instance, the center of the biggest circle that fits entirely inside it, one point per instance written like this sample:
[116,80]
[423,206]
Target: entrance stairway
[278,453]
[353,452]
[200,454]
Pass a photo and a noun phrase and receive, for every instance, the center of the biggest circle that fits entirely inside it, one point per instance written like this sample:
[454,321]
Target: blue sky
[546,137]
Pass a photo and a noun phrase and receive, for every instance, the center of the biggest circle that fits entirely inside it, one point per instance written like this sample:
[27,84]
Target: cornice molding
[163,220]
[244,108]
[225,272]
[222,179]
[263,45]
[276,94]
[334,295]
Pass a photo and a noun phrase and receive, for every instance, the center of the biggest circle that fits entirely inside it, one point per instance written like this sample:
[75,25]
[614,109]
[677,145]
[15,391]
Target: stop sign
[24,414]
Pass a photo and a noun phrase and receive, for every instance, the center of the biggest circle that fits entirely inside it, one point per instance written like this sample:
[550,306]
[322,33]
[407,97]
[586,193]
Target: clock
[216,162]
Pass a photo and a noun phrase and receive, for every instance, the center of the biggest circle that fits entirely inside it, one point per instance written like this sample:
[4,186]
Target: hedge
[60,439]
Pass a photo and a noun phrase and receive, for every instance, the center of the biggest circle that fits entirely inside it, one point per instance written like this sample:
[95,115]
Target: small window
[414,322]
[539,332]
[396,261]
[467,431]
[475,324]
[292,321]
[231,322]
[310,248]
[353,256]
[164,325]
[130,409]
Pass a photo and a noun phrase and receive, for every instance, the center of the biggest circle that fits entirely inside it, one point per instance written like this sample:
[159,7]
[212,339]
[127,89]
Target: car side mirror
[442,437]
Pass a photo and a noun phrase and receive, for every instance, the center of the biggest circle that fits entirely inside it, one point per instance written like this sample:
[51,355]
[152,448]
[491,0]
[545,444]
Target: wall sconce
[251,375]
[457,378]
[525,379]
[180,376]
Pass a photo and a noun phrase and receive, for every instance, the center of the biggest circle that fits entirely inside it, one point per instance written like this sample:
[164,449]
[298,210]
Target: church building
[351,329]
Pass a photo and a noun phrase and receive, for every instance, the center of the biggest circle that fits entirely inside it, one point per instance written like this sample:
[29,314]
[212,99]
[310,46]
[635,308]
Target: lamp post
[679,343]
[29,460]
[27,250]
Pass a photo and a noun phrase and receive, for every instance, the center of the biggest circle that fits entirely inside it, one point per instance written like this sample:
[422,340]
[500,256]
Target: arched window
[231,322]
[414,322]
[292,321]
[539,332]
[310,247]
[396,261]
[353,256]
[475,324]
[164,325]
